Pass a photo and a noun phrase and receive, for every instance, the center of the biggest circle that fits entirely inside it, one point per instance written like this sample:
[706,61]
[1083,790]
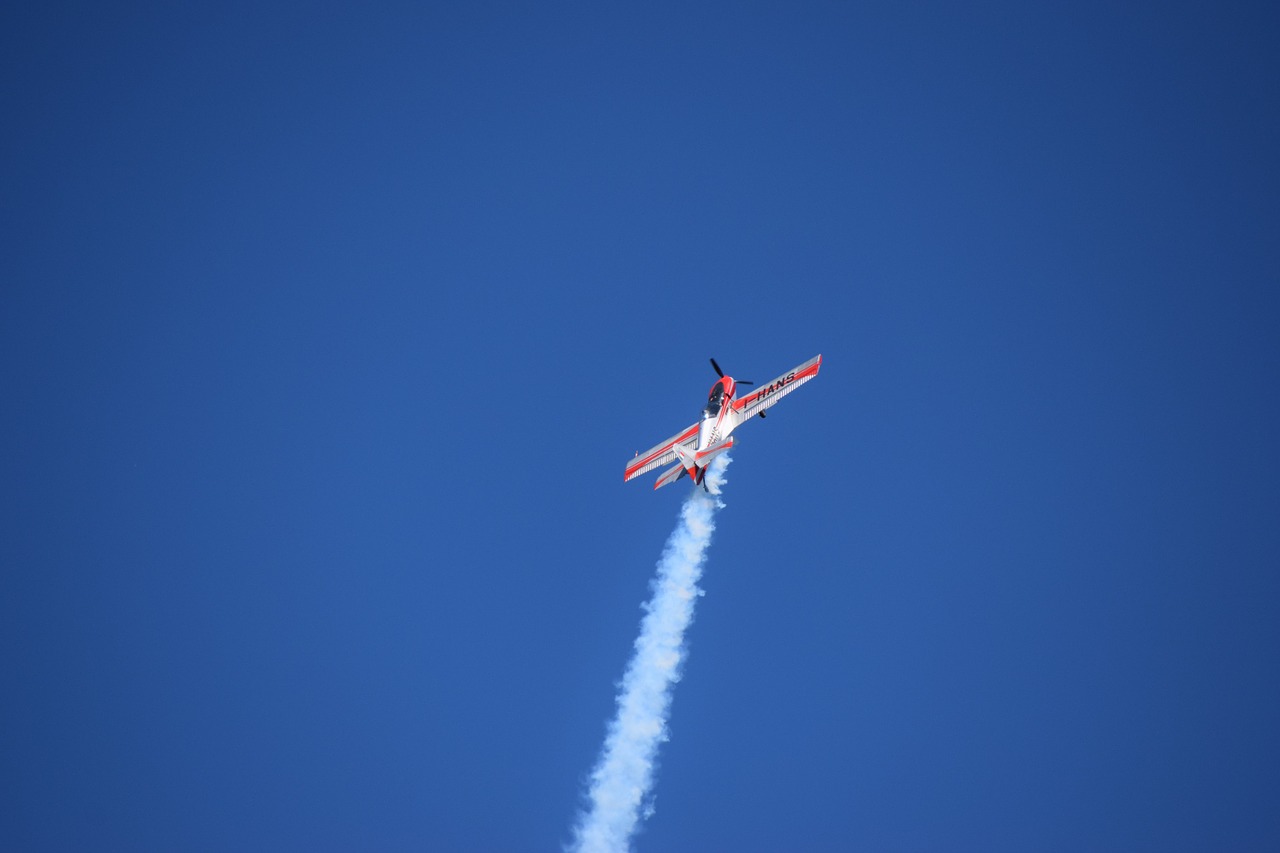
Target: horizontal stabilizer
[705,456]
[669,476]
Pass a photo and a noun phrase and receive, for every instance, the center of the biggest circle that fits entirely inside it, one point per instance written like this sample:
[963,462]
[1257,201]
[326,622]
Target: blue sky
[326,333]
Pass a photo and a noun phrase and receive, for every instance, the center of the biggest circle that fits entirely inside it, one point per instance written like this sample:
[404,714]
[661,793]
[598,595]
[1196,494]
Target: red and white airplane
[693,449]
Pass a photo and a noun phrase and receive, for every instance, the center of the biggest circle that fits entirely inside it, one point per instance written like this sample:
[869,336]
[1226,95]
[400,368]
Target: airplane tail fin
[688,459]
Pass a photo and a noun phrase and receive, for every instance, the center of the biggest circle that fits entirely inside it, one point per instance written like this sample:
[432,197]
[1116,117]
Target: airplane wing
[765,396]
[660,454]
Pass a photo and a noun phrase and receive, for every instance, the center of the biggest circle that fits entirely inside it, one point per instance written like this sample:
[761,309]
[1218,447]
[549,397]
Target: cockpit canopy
[714,402]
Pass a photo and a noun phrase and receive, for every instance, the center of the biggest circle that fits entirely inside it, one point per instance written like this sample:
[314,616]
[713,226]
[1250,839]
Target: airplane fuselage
[718,421]
[717,417]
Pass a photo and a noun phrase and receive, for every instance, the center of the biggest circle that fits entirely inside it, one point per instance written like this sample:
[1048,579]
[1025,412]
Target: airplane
[693,449]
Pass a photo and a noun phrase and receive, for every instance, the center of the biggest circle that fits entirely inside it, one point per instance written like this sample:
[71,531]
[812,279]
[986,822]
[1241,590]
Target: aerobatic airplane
[693,449]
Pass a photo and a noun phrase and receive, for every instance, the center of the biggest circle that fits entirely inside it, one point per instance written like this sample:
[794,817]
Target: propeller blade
[720,373]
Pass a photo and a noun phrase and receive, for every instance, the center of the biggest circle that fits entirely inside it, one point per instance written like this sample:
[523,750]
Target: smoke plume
[623,775]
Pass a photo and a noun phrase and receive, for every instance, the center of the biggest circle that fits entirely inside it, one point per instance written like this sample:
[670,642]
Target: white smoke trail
[623,774]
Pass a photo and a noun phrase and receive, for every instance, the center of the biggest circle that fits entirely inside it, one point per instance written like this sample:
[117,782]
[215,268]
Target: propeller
[720,373]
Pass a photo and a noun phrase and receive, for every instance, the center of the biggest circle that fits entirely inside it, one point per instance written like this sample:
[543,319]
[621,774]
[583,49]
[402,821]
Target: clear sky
[326,332]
